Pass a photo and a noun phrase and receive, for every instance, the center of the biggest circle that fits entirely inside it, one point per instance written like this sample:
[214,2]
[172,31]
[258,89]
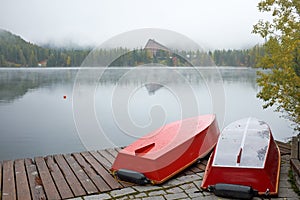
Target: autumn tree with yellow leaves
[280,85]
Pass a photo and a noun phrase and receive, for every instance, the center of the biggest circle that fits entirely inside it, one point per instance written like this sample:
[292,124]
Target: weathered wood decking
[295,159]
[69,175]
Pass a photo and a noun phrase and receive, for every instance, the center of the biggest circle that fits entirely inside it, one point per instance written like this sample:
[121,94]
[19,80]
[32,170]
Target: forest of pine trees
[16,52]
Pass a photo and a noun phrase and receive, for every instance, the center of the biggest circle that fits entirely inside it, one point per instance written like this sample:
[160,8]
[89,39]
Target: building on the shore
[154,46]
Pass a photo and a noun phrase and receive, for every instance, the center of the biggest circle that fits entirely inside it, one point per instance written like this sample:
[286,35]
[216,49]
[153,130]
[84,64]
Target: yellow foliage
[281,85]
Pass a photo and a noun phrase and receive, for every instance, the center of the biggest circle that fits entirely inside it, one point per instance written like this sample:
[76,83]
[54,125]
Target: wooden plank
[187,172]
[118,149]
[59,180]
[195,169]
[283,144]
[294,150]
[286,147]
[204,161]
[69,176]
[47,181]
[35,183]
[101,171]
[9,190]
[96,178]
[113,152]
[85,181]
[23,190]
[295,164]
[105,163]
[201,167]
[107,155]
[285,152]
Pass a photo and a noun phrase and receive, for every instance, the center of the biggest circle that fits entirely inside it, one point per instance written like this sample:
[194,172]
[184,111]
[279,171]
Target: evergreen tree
[32,60]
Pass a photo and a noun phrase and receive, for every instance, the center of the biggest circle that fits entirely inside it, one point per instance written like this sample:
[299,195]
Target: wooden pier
[69,175]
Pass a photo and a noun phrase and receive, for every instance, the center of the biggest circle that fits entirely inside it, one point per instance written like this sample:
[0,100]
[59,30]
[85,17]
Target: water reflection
[15,83]
[152,88]
[229,75]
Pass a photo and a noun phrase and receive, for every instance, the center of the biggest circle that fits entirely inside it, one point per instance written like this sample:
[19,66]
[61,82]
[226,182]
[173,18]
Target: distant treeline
[246,57]
[16,52]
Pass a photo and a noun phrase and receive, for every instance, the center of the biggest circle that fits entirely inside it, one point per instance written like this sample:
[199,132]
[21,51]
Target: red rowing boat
[246,155]
[166,151]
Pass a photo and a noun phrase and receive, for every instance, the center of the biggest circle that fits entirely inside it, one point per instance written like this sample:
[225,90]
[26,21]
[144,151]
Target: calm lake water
[55,110]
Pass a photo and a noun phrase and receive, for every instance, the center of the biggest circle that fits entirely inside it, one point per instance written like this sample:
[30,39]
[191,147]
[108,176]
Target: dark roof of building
[152,44]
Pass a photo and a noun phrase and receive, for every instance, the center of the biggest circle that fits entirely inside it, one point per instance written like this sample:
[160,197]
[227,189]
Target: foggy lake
[46,111]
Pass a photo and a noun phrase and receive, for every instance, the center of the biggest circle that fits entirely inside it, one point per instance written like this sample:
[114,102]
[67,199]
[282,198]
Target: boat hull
[264,178]
[170,149]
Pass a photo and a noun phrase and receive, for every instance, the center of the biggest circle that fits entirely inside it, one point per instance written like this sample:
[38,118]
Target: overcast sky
[214,24]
